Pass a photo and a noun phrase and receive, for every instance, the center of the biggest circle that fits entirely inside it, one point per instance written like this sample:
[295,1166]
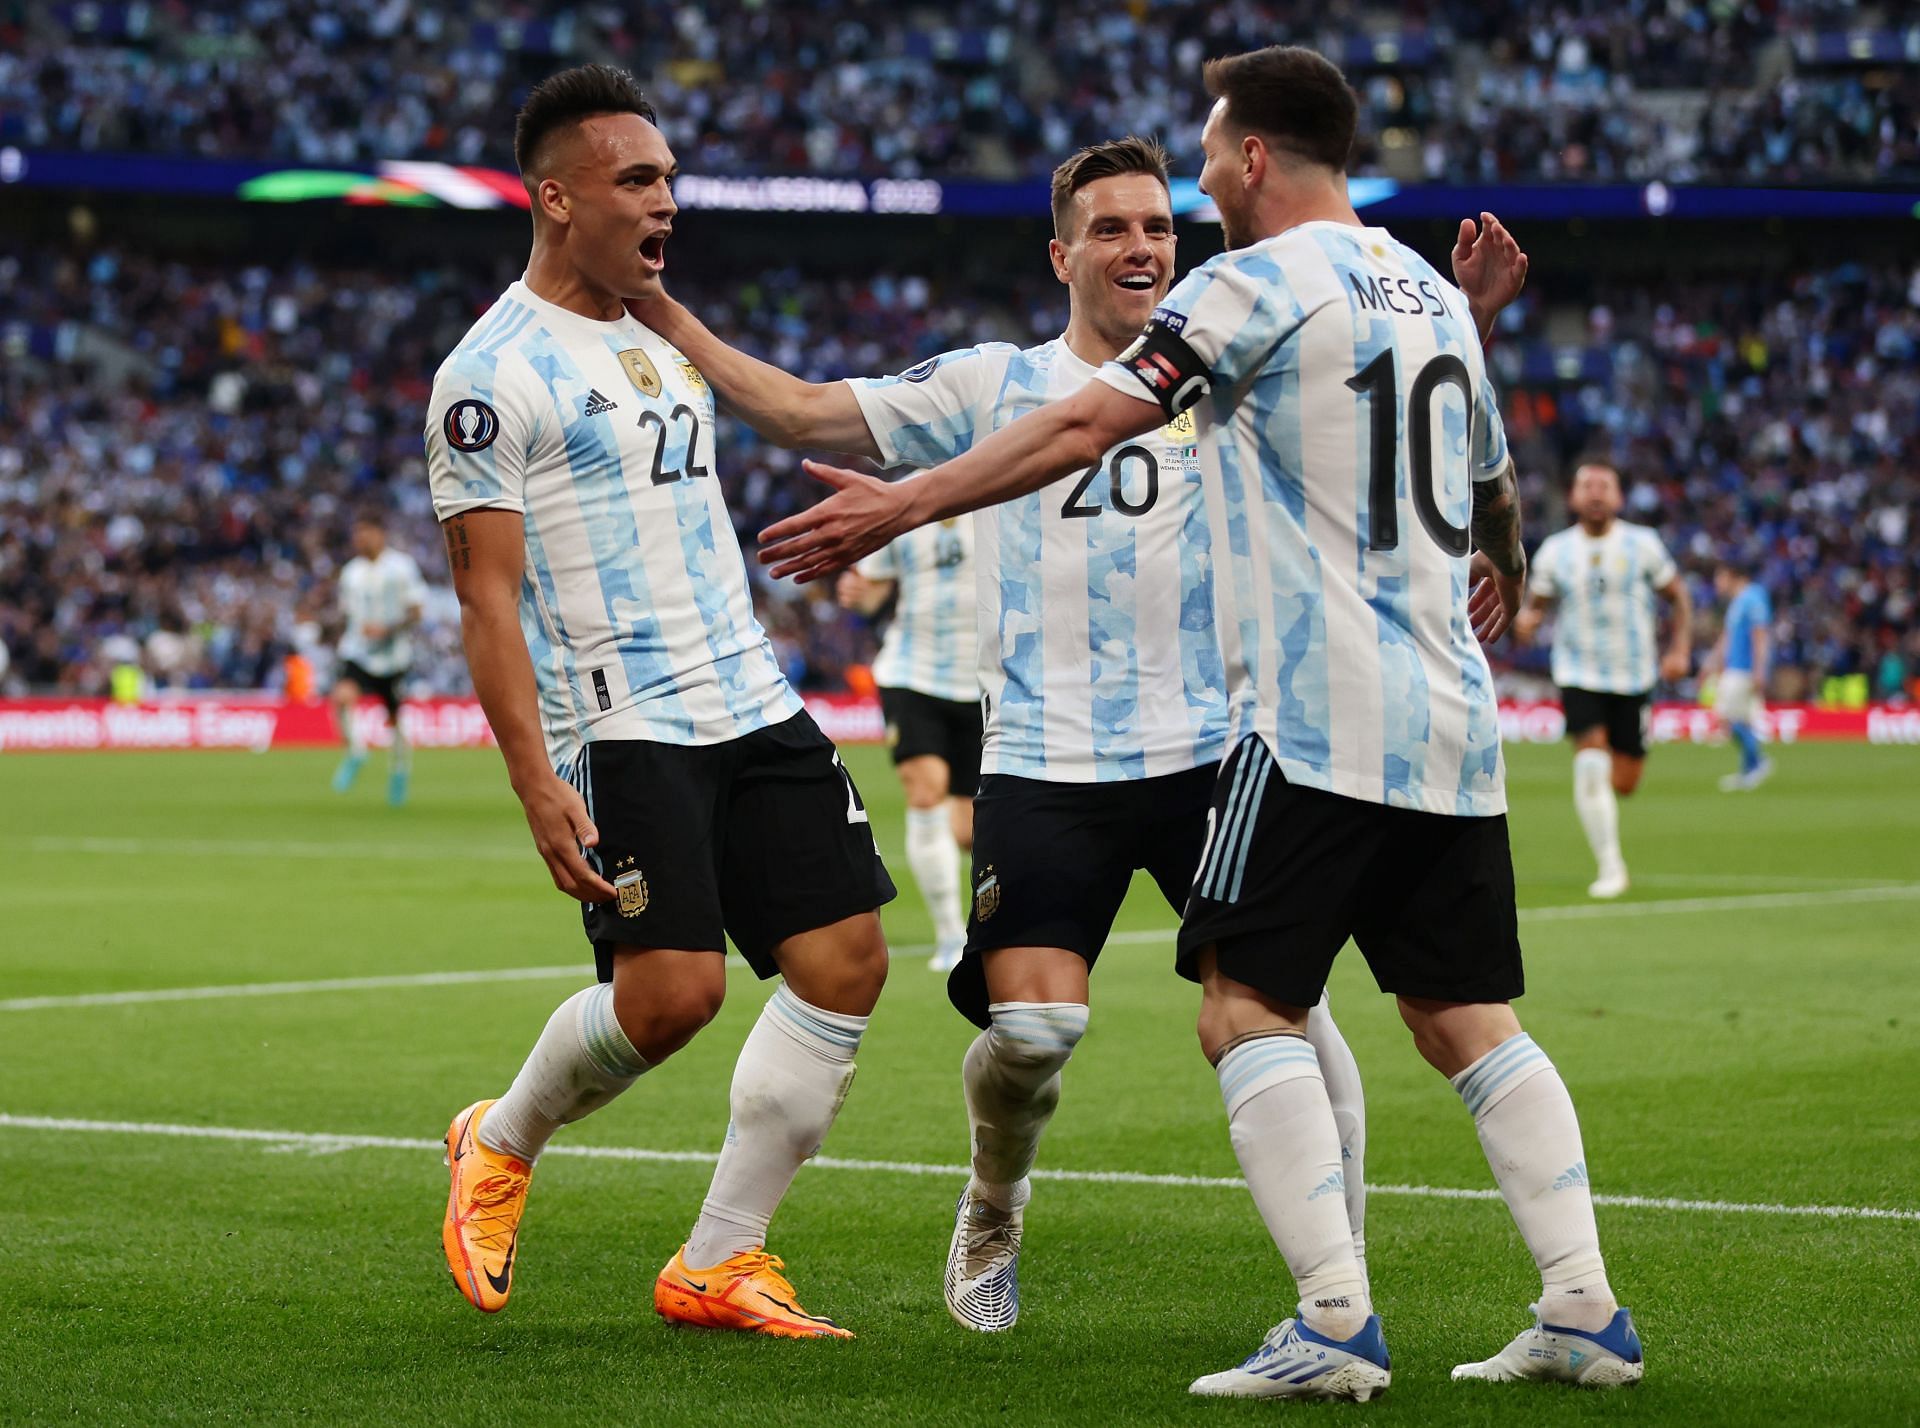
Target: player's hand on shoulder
[557,816]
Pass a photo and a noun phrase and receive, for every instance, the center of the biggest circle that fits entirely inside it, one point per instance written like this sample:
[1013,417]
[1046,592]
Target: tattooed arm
[1499,569]
[487,551]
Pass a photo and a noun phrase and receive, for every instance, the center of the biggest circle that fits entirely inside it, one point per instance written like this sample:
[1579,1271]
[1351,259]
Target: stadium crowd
[1520,89]
[182,448]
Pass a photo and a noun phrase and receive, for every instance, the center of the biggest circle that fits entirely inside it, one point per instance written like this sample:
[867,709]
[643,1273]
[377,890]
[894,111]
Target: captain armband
[1171,371]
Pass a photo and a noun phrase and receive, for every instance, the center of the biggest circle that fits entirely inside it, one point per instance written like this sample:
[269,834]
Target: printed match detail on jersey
[635,603]
[1604,631]
[931,645]
[1097,654]
[379,594]
[1343,414]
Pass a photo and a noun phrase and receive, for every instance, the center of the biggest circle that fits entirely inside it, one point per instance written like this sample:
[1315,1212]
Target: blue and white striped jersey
[380,593]
[635,603]
[1603,628]
[931,645]
[1344,414]
[1097,653]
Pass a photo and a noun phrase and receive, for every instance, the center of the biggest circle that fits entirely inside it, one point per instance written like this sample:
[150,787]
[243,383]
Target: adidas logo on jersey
[597,404]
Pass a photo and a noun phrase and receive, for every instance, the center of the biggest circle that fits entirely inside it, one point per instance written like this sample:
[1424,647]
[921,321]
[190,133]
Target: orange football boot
[746,1292]
[484,1203]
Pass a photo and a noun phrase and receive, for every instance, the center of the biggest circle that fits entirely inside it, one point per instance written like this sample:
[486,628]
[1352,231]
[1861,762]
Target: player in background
[1352,457]
[1742,658]
[1106,697]
[672,780]
[930,694]
[1602,574]
[381,597]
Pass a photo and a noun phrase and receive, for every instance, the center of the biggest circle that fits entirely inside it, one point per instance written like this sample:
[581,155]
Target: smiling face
[608,184]
[1117,255]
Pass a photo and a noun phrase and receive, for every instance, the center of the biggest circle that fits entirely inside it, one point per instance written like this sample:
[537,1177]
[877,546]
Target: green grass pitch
[1755,1041]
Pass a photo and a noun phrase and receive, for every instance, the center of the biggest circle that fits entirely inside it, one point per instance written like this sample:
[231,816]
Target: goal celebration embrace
[1327,435]
[1030,712]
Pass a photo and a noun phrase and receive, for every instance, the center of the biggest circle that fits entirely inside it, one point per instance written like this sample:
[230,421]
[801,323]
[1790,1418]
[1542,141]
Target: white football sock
[1532,1139]
[788,1085]
[1342,1075]
[1599,810]
[356,741]
[581,1061]
[935,860]
[401,753]
[1011,1075]
[1283,1132]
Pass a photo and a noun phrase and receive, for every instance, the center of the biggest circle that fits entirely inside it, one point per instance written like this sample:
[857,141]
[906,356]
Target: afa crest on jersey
[694,376]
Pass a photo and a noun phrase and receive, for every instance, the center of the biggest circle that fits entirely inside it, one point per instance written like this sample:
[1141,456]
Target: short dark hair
[562,100]
[1294,97]
[1605,463]
[1131,155]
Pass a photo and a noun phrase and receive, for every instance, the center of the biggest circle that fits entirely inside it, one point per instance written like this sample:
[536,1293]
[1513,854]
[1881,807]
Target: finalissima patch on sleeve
[1169,369]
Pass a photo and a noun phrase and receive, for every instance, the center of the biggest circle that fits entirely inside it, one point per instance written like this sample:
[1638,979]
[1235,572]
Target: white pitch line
[325,1144]
[1570,913]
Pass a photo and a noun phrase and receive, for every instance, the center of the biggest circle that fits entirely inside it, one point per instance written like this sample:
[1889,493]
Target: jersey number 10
[1376,379]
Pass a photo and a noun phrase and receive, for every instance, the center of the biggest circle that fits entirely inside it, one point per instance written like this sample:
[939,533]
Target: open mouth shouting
[653,249]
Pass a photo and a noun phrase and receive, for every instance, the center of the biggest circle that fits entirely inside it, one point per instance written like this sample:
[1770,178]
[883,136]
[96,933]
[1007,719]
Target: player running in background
[930,693]
[1602,574]
[1352,455]
[681,792]
[1106,696]
[381,597]
[1742,656]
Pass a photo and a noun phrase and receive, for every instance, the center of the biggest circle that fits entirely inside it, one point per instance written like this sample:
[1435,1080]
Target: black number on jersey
[660,423]
[1077,509]
[1377,380]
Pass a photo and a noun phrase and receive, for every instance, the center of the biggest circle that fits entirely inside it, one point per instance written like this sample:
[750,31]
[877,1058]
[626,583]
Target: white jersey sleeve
[481,433]
[930,412]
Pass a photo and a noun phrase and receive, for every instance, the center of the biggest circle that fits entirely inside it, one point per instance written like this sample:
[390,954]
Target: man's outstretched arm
[1499,568]
[780,406]
[1036,450]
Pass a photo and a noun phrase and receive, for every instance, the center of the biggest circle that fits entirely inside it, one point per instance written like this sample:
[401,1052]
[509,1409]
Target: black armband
[1171,371]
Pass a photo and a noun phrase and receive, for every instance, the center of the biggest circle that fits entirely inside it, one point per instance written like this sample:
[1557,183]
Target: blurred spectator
[1516,89]
[181,447]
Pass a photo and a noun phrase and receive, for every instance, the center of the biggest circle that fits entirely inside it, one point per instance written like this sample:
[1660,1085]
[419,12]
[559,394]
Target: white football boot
[1611,883]
[1295,1362]
[983,1265]
[1552,1353]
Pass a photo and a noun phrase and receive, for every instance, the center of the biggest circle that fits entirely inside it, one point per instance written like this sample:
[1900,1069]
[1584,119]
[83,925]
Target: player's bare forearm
[486,552]
[864,514]
[1496,523]
[780,406]
[1680,645]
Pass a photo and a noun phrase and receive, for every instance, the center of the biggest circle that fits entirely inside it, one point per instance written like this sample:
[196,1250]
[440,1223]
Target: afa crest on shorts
[986,894]
[629,888]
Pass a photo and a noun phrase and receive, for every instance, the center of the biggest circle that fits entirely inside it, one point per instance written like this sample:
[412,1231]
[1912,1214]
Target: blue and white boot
[1552,1353]
[348,771]
[983,1265]
[1295,1362]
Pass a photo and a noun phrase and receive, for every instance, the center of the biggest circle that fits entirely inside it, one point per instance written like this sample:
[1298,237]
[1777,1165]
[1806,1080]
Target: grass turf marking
[324,1144]
[1571,913]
